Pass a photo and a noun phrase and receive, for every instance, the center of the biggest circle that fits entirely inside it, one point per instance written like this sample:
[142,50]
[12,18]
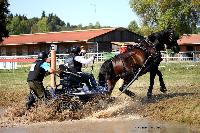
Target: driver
[79,61]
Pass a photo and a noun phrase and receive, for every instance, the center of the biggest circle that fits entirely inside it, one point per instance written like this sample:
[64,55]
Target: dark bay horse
[140,59]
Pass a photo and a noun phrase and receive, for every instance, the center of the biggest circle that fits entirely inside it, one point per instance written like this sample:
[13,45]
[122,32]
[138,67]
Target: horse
[138,60]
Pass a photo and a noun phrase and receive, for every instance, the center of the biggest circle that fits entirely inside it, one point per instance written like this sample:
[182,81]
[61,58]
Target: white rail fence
[167,57]
[12,62]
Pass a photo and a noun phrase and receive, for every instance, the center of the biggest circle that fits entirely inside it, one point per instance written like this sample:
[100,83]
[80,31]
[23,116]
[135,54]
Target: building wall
[102,47]
[191,47]
[118,36]
[64,48]
[197,48]
[182,48]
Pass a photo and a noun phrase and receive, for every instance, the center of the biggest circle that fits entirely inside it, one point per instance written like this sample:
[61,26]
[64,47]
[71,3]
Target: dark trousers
[38,88]
[86,78]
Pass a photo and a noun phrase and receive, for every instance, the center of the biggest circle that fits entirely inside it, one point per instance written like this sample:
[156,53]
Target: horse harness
[150,55]
[145,66]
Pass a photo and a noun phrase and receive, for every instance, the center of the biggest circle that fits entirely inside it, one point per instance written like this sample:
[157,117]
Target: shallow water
[100,126]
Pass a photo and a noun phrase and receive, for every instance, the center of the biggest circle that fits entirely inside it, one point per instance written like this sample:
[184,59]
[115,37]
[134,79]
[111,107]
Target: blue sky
[115,13]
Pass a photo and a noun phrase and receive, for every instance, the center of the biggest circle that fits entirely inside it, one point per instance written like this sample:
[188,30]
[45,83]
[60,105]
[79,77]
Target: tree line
[20,24]
[155,15]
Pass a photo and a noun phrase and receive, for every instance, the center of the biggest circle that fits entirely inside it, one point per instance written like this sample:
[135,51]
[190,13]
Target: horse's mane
[156,36]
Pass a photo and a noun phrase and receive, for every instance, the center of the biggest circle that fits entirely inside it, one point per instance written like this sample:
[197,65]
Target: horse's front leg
[152,77]
[162,84]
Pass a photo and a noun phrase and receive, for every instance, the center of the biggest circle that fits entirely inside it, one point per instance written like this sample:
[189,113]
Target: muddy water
[113,117]
[100,126]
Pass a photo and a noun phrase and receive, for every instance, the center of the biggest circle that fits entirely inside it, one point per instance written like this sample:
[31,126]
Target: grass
[181,103]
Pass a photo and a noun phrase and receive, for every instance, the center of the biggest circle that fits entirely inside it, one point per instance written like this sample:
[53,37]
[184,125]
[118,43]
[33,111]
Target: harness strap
[124,68]
[140,70]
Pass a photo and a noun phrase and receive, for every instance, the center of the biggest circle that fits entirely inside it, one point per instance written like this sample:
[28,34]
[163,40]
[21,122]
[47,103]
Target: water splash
[95,109]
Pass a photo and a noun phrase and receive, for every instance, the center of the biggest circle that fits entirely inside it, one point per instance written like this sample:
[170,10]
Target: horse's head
[171,38]
[166,37]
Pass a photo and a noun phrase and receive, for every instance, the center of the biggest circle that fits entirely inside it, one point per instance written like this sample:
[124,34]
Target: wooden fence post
[53,65]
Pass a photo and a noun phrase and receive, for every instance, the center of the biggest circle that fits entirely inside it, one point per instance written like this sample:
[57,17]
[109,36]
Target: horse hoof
[149,94]
[129,93]
[163,89]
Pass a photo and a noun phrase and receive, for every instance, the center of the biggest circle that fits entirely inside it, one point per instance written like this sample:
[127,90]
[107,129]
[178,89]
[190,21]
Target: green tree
[80,27]
[25,27]
[43,25]
[18,25]
[68,25]
[33,24]
[90,26]
[14,25]
[133,26]
[43,14]
[55,23]
[3,19]
[160,14]
[97,25]
[146,30]
[198,30]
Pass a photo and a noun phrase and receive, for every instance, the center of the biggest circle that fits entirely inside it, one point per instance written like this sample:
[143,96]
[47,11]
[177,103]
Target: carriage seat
[68,77]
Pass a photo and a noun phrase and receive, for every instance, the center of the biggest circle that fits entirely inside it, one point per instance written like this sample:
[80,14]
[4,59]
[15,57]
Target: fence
[12,62]
[181,56]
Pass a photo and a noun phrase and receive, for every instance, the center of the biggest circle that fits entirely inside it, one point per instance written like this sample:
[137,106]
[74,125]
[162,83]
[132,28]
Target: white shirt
[82,60]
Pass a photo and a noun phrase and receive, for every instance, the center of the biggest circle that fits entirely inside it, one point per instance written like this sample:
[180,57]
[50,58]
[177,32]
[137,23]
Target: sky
[114,13]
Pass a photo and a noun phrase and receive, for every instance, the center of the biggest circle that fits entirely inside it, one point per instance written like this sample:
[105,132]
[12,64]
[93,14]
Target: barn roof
[55,37]
[189,39]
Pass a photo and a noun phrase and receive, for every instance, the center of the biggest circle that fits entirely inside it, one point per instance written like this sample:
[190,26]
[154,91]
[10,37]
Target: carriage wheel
[70,103]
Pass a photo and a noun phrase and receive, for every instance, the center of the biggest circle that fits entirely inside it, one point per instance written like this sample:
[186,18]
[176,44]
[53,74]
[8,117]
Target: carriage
[70,91]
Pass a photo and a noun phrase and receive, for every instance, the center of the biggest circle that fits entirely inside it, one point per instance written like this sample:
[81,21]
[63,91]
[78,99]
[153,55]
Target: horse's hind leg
[162,84]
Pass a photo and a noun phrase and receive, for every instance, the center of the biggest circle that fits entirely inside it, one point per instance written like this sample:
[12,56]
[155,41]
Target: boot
[30,102]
